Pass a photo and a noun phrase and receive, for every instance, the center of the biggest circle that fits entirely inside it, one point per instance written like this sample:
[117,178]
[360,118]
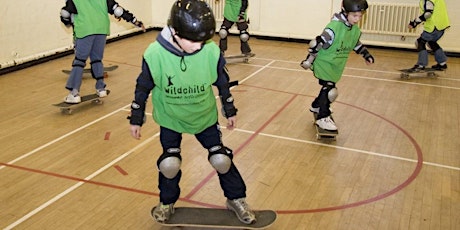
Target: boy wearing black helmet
[179,69]
[328,54]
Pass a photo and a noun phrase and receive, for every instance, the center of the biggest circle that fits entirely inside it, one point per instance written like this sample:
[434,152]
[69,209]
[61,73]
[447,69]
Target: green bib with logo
[183,100]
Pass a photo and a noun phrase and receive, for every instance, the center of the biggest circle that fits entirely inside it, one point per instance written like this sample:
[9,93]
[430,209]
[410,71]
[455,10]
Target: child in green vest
[328,54]
[235,11]
[91,25]
[436,21]
[179,70]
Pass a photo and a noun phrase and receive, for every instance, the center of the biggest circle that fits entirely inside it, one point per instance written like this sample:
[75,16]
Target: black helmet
[354,5]
[192,20]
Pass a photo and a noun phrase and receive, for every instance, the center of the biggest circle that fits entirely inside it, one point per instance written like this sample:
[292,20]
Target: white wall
[31,29]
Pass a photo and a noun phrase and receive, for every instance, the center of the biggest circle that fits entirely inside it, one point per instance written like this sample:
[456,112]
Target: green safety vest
[232,10]
[183,101]
[438,19]
[330,63]
[92,18]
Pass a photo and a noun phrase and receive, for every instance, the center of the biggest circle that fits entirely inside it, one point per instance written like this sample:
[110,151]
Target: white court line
[75,186]
[350,149]
[60,138]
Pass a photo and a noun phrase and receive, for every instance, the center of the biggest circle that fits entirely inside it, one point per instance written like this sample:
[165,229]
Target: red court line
[249,140]
[107,136]
[119,169]
[411,178]
[79,179]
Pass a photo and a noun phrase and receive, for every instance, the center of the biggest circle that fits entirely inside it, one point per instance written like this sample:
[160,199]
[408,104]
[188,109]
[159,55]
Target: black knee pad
[433,45]
[421,44]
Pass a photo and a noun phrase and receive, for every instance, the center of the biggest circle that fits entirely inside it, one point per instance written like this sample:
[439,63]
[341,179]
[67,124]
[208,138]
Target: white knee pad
[219,159]
[223,33]
[244,36]
[170,166]
[65,13]
[332,94]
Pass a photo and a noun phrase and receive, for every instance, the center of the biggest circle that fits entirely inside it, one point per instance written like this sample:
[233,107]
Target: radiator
[217,7]
[390,19]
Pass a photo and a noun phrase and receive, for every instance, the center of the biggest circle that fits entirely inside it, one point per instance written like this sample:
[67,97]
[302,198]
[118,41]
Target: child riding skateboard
[328,54]
[179,69]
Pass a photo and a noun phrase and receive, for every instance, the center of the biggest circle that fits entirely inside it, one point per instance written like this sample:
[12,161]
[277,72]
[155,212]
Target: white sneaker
[242,210]
[326,123]
[72,99]
[162,212]
[101,92]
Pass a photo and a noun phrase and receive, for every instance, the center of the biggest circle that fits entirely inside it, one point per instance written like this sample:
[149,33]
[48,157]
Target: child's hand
[135,131]
[231,123]
[369,59]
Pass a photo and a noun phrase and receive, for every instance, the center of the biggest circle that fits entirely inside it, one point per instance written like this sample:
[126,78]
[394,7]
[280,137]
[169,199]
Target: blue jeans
[91,46]
[439,55]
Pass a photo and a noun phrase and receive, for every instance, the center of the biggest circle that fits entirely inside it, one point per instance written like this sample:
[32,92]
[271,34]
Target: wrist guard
[228,108]
[137,116]
[414,23]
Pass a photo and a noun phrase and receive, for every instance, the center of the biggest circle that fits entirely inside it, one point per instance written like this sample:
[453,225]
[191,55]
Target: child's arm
[144,85]
[119,12]
[223,85]
[427,12]
[323,41]
[244,7]
[67,11]
[362,50]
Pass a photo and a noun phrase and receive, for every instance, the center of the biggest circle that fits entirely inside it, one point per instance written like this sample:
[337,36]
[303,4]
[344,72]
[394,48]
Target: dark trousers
[322,100]
[244,46]
[231,182]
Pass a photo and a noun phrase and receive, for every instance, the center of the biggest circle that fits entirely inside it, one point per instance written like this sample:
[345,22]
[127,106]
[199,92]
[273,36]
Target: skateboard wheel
[106,75]
[318,137]
[98,101]
[246,60]
[431,74]
[67,111]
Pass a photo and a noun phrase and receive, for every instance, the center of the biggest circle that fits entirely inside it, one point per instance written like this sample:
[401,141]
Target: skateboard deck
[408,73]
[67,107]
[216,218]
[322,133]
[239,58]
[88,70]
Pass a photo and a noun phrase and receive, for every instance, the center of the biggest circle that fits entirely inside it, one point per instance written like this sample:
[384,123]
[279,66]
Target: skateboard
[216,218]
[407,73]
[67,107]
[88,70]
[239,58]
[322,133]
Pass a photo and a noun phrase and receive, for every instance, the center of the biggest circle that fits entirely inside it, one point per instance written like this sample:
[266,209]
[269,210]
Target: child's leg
[244,37]
[325,98]
[82,51]
[96,56]
[169,165]
[220,158]
[223,33]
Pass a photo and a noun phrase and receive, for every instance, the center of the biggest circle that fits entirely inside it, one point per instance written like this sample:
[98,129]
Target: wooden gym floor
[394,165]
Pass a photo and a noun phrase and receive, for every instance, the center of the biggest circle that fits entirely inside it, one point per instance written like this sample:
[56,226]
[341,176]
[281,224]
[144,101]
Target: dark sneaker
[439,67]
[162,212]
[242,210]
[248,54]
